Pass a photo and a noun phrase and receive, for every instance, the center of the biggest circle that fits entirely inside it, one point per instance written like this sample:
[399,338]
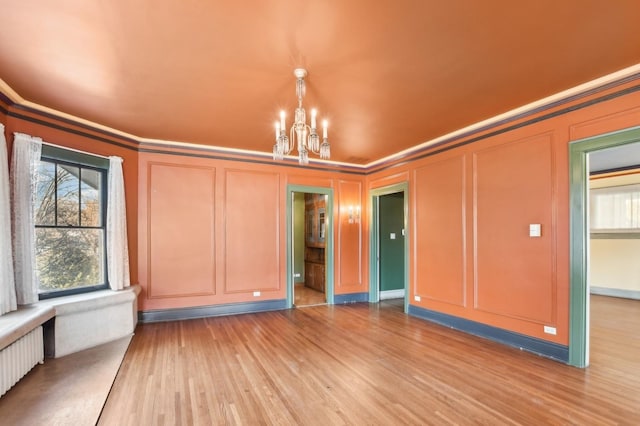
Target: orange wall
[470,210]
[206,230]
[212,231]
[3,108]
[65,134]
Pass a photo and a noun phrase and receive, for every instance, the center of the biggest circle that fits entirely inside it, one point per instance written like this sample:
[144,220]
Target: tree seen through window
[69,226]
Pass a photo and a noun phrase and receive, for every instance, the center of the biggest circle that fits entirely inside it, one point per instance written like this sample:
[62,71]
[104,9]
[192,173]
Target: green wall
[298,236]
[391,250]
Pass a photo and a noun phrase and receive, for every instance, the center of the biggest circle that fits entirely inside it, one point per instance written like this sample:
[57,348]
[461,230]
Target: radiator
[18,358]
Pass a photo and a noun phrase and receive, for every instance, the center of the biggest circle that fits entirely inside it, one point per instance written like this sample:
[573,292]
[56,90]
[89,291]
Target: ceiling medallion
[305,136]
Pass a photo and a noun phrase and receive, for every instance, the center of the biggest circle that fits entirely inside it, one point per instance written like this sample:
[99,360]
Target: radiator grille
[18,358]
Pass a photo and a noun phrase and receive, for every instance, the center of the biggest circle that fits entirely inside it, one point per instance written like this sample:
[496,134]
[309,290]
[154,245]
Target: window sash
[615,209]
[65,158]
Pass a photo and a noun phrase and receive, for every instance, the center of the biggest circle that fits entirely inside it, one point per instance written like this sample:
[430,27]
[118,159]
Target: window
[70,216]
[615,209]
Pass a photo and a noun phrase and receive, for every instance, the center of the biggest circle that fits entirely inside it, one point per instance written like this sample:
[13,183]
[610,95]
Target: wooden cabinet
[314,276]
[315,207]
[315,210]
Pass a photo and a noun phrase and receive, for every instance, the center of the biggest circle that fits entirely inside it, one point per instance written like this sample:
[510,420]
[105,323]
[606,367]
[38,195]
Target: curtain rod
[72,149]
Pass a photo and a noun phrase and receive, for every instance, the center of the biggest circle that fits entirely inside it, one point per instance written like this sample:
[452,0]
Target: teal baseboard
[341,299]
[615,292]
[510,338]
[177,314]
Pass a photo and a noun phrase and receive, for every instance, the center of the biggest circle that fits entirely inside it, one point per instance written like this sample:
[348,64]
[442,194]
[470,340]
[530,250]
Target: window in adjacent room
[70,216]
[615,209]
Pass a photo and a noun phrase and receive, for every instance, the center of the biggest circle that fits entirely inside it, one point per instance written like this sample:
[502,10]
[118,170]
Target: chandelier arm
[302,136]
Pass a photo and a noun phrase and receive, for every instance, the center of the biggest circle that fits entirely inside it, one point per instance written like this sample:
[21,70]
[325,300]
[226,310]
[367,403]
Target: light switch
[392,235]
[535,230]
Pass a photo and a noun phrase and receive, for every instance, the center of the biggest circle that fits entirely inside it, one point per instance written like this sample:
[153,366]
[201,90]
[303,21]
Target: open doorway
[391,242]
[389,261]
[309,246]
[613,253]
[309,235]
[586,156]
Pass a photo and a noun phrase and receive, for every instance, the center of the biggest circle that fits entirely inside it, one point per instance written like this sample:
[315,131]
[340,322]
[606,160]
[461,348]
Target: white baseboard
[615,292]
[392,294]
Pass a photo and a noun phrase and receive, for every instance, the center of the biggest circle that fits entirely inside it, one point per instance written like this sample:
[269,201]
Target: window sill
[15,324]
[86,320]
[66,305]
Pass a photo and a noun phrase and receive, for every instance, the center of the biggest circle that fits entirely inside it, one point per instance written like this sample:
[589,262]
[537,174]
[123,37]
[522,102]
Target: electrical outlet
[297,275]
[256,294]
[417,298]
[535,230]
[550,330]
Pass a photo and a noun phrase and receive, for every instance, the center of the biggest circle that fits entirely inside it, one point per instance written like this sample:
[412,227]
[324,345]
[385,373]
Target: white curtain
[7,282]
[24,179]
[615,208]
[117,248]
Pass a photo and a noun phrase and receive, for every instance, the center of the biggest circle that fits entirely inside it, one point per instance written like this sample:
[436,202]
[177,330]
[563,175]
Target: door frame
[374,239]
[579,236]
[329,252]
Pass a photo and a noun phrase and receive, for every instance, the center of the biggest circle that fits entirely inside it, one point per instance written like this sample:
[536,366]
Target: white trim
[609,78]
[66,148]
[615,292]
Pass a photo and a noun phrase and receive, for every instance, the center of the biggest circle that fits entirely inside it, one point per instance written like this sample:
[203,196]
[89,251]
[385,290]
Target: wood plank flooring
[65,391]
[305,296]
[368,364]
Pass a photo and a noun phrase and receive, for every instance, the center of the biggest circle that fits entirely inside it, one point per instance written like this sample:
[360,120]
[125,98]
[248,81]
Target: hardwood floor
[305,296]
[368,364]
[65,391]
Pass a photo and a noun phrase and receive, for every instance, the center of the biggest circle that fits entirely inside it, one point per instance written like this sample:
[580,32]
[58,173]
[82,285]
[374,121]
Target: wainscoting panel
[181,230]
[513,189]
[350,220]
[252,242]
[440,231]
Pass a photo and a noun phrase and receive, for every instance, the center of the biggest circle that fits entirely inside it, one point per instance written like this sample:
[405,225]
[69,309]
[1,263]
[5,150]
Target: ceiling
[388,75]
[619,157]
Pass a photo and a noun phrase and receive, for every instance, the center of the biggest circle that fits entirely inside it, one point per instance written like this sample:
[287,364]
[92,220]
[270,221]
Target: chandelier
[301,134]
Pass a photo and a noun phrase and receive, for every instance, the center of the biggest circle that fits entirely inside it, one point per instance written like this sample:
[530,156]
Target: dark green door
[391,216]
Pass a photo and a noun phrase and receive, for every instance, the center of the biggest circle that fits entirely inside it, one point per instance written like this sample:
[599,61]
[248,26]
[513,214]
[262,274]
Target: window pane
[615,208]
[69,258]
[45,213]
[68,196]
[90,189]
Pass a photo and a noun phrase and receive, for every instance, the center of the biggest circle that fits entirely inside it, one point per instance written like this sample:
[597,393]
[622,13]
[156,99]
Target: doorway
[580,236]
[391,242]
[389,256]
[309,246]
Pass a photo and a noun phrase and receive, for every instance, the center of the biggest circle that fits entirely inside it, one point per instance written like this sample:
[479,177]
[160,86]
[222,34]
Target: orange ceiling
[388,75]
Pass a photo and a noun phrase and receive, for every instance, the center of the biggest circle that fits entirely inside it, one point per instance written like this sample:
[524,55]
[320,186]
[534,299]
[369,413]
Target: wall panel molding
[440,230]
[180,230]
[253,219]
[349,245]
[515,274]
